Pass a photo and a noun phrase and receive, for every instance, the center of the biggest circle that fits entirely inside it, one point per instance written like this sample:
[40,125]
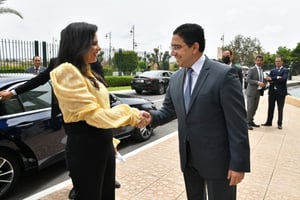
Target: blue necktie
[188,89]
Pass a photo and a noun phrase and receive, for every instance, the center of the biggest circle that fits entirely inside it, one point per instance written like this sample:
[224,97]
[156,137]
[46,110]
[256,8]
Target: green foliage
[9,10]
[165,60]
[296,53]
[285,53]
[141,66]
[108,70]
[125,61]
[244,49]
[114,81]
[12,69]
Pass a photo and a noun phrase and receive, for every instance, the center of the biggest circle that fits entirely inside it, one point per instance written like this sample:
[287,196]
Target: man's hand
[4,95]
[235,177]
[145,119]
[261,84]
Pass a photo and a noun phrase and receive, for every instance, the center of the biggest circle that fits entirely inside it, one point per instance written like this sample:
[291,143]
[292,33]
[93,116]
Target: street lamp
[108,35]
[133,42]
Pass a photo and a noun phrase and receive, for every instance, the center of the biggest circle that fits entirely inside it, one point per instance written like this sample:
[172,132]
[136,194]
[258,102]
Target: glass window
[37,98]
[10,106]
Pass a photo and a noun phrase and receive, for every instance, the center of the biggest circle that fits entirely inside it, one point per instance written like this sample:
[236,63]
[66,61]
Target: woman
[84,102]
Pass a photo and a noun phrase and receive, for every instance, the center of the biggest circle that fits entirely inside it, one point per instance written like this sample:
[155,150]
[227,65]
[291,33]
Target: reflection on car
[155,81]
[30,139]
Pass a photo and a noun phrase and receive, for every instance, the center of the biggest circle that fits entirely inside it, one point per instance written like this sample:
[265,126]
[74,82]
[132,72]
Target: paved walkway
[153,172]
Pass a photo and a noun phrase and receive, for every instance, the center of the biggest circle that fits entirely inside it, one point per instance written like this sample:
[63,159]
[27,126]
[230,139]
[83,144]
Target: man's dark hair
[259,56]
[191,33]
[230,52]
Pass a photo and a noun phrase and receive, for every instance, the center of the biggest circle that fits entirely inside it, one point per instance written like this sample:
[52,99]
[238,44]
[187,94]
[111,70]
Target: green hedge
[114,81]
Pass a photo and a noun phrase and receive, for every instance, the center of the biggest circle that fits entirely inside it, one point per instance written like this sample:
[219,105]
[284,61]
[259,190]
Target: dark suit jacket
[277,82]
[215,124]
[32,69]
[239,72]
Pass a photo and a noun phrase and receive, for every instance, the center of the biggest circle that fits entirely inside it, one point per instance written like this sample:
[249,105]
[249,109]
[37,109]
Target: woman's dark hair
[191,33]
[75,41]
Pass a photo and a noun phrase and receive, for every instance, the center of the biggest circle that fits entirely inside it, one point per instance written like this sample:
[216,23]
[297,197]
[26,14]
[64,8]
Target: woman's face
[91,55]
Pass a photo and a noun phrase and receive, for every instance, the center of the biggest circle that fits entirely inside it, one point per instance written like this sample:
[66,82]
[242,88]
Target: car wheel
[160,89]
[143,133]
[9,172]
[138,91]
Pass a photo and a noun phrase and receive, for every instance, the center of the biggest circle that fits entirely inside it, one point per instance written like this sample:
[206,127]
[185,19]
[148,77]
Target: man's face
[227,58]
[259,62]
[182,52]
[278,62]
[37,61]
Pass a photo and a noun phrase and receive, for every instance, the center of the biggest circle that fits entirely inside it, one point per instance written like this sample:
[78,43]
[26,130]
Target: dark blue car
[30,139]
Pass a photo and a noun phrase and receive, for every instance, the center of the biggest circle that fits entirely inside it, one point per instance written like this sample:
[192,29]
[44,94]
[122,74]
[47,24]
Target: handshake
[145,118]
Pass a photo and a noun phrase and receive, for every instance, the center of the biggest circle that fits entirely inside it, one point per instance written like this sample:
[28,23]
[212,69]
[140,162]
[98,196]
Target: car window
[10,106]
[37,98]
[165,74]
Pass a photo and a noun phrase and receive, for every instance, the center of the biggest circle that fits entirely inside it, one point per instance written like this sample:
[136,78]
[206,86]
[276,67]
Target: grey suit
[33,71]
[213,134]
[253,93]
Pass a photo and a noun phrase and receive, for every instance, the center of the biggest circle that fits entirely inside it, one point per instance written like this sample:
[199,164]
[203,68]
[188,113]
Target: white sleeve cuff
[14,92]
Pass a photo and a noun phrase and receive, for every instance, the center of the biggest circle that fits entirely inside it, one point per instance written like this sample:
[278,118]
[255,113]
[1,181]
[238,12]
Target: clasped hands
[145,118]
[261,84]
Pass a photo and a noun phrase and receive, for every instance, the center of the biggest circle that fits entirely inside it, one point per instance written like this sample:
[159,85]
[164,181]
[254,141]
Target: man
[277,91]
[255,89]
[213,135]
[36,68]
[227,58]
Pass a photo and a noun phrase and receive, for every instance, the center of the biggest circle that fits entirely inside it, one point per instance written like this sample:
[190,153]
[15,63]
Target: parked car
[30,139]
[153,81]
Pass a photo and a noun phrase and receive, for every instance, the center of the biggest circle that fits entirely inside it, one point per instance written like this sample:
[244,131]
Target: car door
[29,122]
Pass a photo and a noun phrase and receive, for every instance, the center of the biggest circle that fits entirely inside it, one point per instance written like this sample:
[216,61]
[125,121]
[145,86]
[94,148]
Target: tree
[165,60]
[286,54]
[125,61]
[9,10]
[244,49]
[296,53]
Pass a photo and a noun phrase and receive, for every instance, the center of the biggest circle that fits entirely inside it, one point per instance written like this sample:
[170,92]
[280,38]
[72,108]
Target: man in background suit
[255,89]
[228,59]
[212,130]
[36,68]
[277,91]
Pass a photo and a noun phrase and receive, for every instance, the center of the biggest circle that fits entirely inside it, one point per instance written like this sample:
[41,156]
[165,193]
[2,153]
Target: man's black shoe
[250,127]
[117,184]
[279,127]
[254,125]
[266,124]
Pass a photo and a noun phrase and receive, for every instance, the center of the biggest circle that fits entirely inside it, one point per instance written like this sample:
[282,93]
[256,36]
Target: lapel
[200,82]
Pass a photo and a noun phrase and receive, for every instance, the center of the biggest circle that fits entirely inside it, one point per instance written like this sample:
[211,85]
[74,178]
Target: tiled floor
[154,173]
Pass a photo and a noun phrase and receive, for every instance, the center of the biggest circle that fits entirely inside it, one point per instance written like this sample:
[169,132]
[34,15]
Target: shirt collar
[197,66]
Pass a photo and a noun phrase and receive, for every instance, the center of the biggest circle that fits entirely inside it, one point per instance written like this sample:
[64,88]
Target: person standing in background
[228,59]
[255,89]
[206,98]
[277,91]
[36,68]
